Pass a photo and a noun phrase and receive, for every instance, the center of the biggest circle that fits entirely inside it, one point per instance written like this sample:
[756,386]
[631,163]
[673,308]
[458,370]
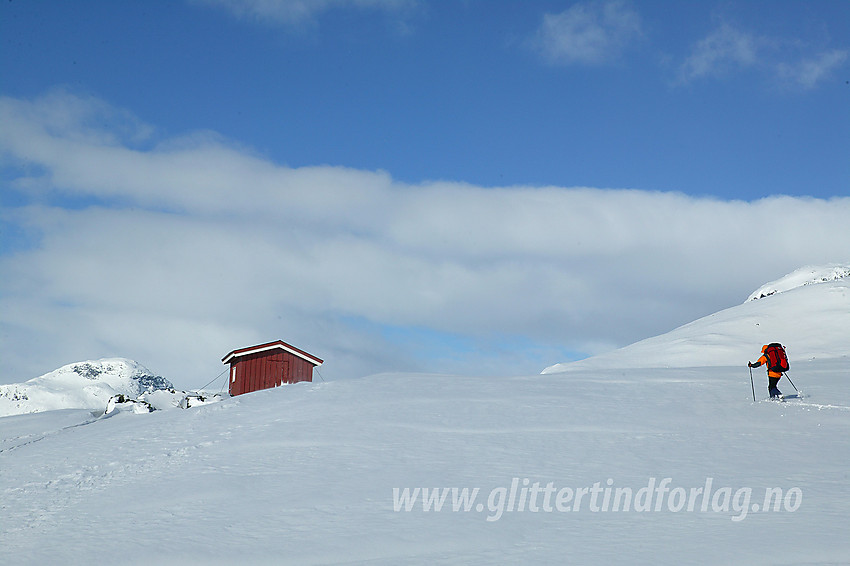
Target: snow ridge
[808,275]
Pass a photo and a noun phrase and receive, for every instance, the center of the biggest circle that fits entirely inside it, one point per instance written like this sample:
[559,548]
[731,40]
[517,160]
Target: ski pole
[791,382]
[752,385]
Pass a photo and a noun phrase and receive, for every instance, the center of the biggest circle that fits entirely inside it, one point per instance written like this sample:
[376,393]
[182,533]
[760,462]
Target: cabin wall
[267,369]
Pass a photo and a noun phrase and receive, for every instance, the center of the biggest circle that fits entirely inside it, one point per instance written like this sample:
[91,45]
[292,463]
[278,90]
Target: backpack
[777,361]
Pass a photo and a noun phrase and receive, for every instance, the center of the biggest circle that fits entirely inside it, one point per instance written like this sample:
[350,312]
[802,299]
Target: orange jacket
[763,360]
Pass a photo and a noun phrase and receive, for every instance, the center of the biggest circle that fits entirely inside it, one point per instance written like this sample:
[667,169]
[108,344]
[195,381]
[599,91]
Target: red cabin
[268,365]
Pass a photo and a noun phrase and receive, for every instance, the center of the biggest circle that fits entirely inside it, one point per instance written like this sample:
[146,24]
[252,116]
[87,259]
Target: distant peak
[808,275]
[81,385]
[109,369]
[92,369]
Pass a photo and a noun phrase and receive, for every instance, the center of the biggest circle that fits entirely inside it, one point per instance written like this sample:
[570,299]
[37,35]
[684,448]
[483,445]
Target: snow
[307,473]
[81,385]
[811,320]
[804,276]
[304,474]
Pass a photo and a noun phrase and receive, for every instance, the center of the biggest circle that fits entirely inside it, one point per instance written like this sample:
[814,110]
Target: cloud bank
[176,251]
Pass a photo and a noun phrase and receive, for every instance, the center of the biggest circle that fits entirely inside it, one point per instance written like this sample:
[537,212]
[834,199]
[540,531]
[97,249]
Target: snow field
[305,473]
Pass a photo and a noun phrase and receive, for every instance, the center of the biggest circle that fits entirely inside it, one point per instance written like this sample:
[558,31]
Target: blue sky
[468,91]
[541,155]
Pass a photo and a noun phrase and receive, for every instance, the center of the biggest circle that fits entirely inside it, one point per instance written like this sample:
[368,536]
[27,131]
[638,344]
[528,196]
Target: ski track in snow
[13,442]
[50,489]
[793,403]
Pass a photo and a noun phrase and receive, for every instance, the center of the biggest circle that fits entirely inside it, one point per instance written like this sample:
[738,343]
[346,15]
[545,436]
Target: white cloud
[297,11]
[808,72]
[727,50]
[588,33]
[199,246]
[724,49]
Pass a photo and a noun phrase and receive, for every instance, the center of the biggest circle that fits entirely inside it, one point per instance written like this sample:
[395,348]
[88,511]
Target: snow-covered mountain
[808,311]
[81,385]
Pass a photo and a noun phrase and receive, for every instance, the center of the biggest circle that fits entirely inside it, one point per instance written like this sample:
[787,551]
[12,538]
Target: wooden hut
[268,365]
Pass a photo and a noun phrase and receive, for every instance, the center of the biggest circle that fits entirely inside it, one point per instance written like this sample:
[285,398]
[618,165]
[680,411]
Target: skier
[774,368]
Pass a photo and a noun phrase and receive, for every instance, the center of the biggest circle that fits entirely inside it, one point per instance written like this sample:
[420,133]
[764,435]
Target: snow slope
[81,385]
[808,311]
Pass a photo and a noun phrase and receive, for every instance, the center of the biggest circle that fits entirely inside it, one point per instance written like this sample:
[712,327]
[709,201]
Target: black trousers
[772,381]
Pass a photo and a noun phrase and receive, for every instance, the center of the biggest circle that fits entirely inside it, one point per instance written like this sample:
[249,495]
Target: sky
[463,186]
